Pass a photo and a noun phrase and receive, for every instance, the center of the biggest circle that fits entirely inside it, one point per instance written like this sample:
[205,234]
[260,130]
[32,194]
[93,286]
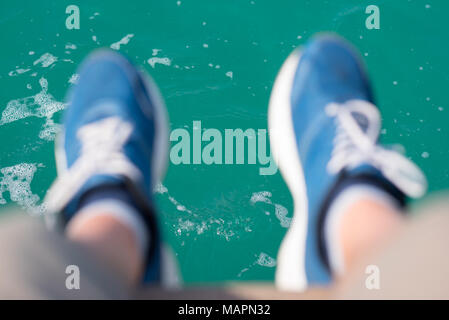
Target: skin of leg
[366,225]
[111,241]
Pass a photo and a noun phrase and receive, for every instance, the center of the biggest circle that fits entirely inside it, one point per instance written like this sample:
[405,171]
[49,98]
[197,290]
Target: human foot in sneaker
[114,141]
[324,131]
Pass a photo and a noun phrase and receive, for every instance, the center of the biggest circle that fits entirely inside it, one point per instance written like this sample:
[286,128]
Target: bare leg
[364,226]
[110,240]
[359,221]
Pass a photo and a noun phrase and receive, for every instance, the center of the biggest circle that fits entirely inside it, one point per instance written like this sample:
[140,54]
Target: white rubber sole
[290,271]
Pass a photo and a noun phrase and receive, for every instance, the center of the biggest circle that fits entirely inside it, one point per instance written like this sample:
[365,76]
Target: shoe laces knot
[358,127]
[101,152]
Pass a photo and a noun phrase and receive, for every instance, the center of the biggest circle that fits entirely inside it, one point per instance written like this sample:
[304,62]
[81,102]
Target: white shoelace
[354,146]
[101,153]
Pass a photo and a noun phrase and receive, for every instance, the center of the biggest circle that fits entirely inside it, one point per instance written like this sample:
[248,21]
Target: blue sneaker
[115,135]
[324,131]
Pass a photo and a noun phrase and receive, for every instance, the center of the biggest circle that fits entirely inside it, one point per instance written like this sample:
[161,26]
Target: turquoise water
[215,62]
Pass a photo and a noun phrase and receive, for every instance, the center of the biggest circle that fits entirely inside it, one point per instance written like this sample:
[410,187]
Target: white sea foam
[265,260]
[156,60]
[41,105]
[16,180]
[123,41]
[160,188]
[18,71]
[280,211]
[46,60]
[74,78]
[262,196]
[189,223]
[70,46]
